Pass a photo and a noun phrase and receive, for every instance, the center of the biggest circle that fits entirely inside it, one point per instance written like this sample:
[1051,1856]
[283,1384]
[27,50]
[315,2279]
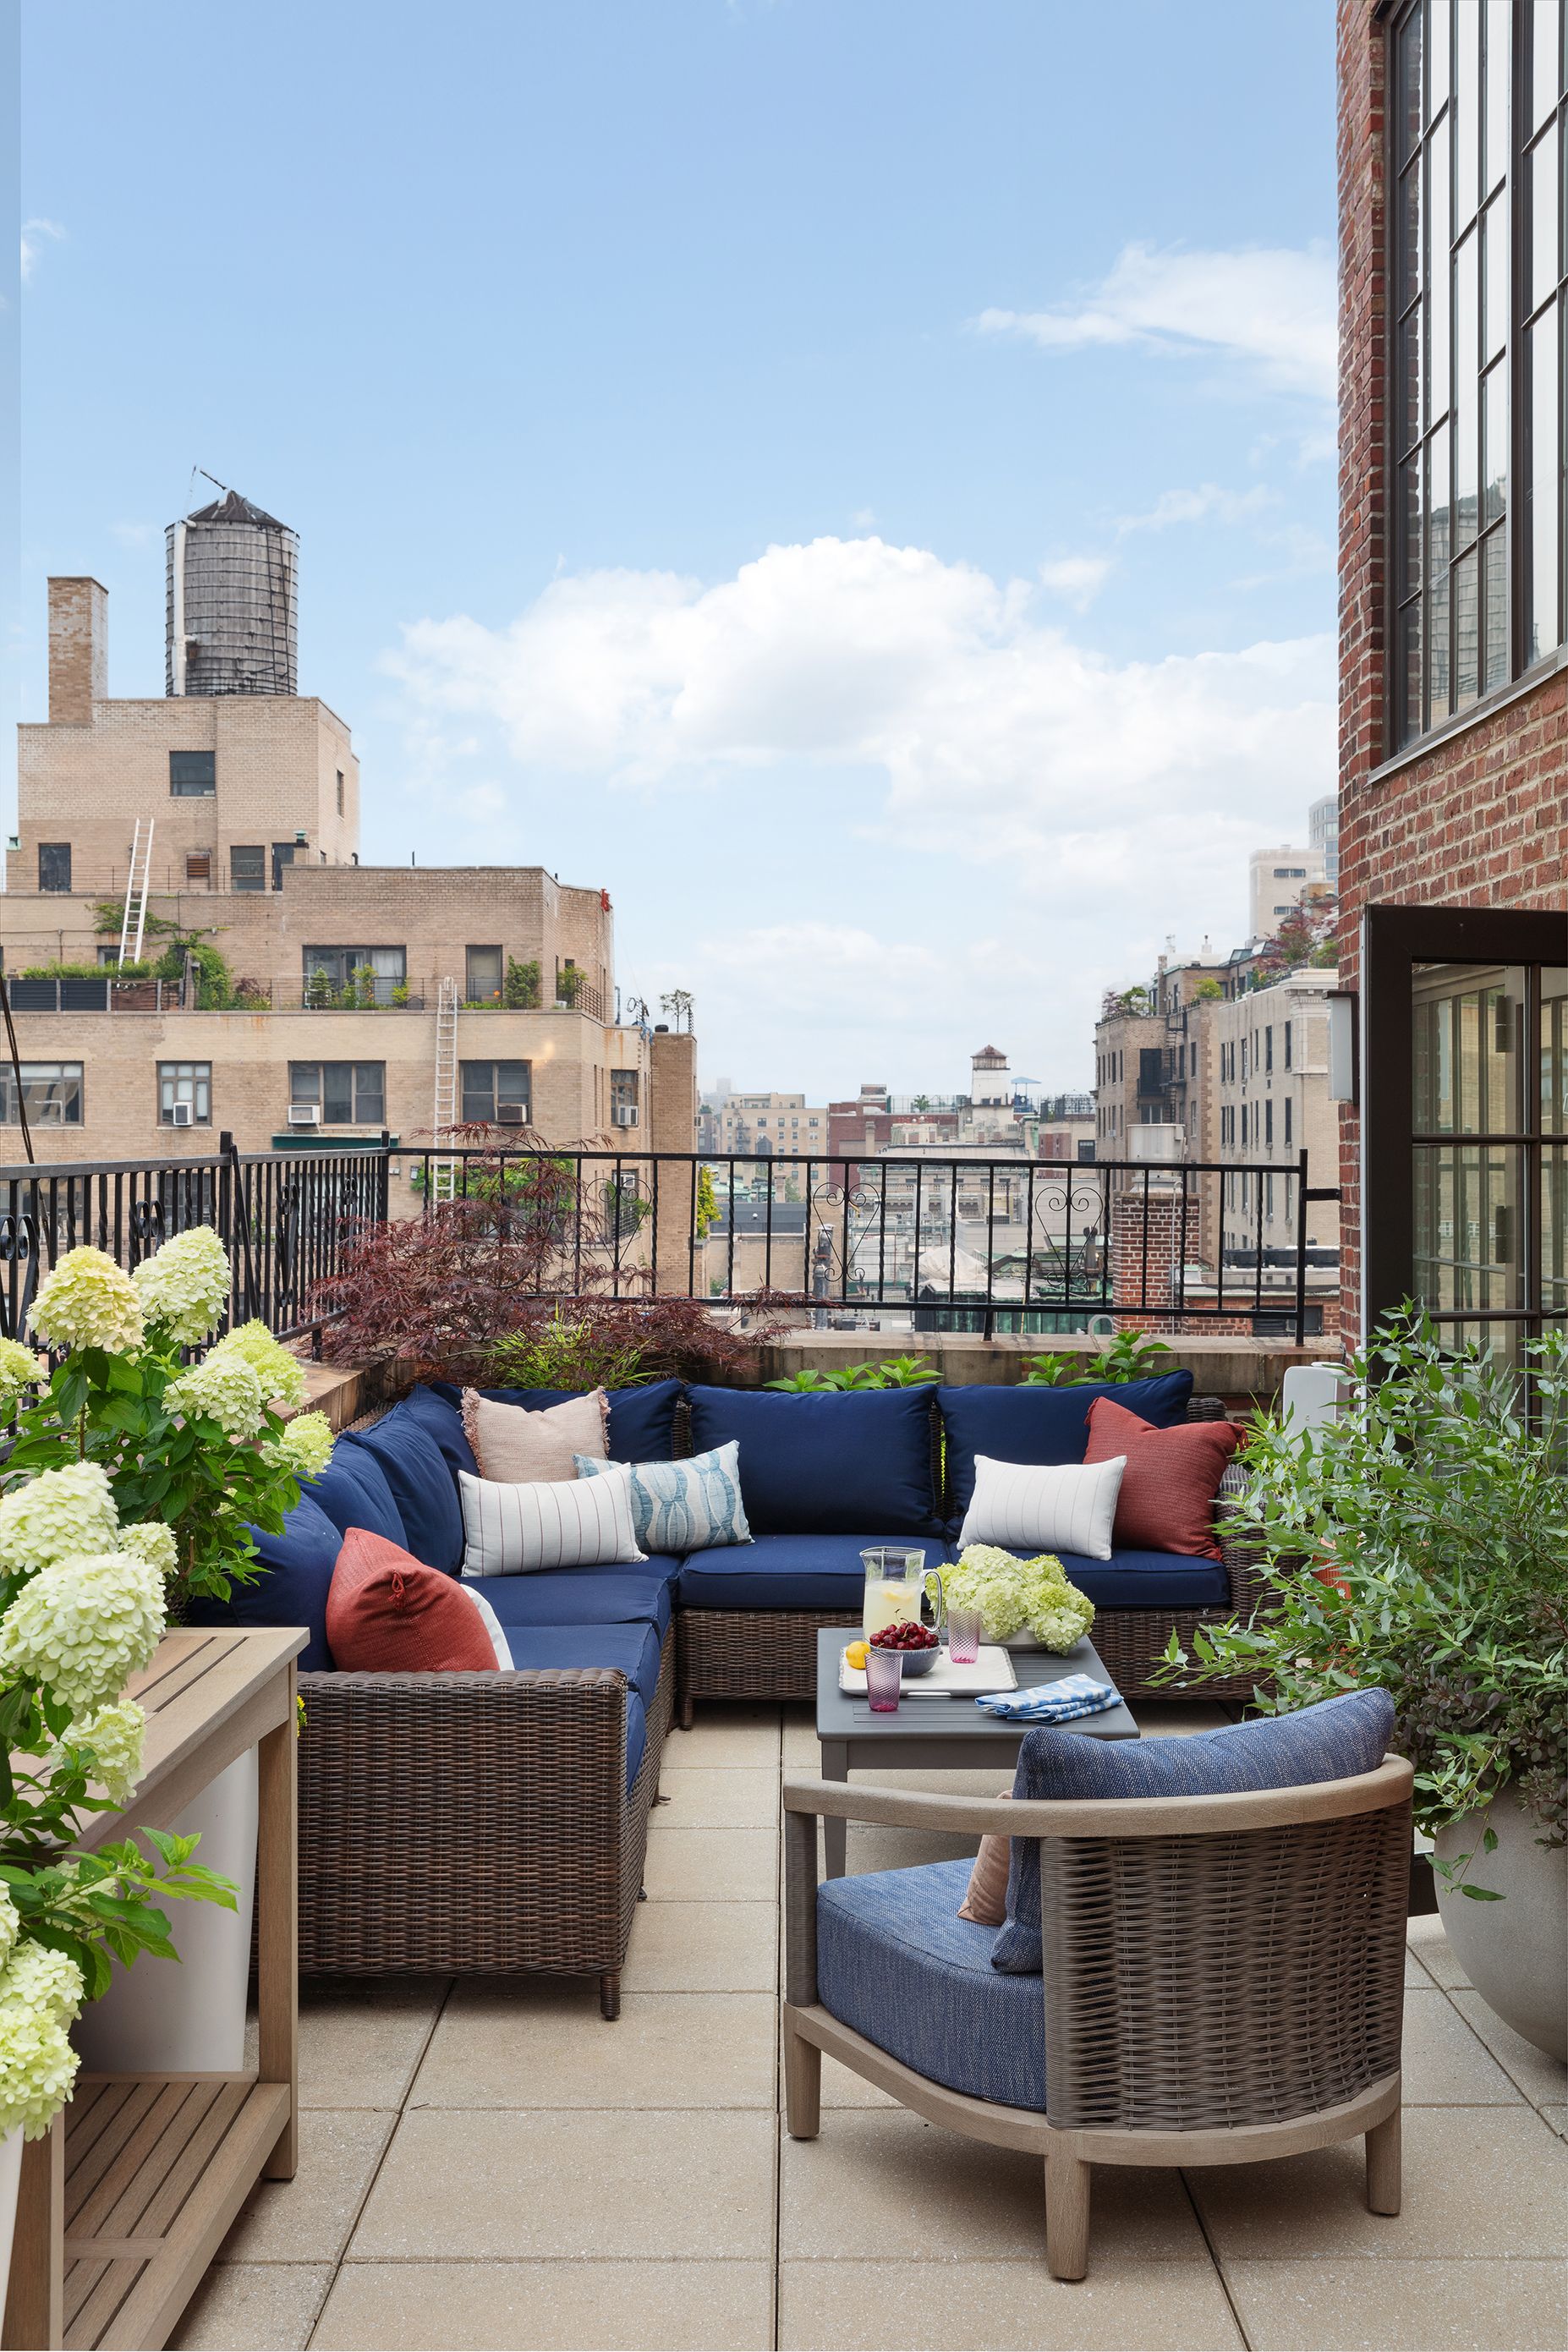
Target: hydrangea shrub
[1011,1593]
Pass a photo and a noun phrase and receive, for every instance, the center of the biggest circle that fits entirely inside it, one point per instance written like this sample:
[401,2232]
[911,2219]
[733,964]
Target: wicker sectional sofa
[495,1824]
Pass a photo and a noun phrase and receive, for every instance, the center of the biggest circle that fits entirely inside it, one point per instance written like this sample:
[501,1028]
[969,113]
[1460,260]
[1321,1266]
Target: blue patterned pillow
[690,1506]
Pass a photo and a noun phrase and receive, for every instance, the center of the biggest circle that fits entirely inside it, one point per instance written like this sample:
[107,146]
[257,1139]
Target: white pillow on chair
[1031,1508]
[509,1530]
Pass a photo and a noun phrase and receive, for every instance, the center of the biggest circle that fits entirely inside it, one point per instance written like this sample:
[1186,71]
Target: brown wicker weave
[1223,1978]
[474,1823]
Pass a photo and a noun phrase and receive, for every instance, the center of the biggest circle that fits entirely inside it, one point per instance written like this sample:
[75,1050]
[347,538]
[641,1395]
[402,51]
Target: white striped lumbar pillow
[1058,1506]
[548,1523]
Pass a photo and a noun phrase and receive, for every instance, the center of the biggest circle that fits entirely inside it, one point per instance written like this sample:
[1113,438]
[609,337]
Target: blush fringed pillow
[516,1447]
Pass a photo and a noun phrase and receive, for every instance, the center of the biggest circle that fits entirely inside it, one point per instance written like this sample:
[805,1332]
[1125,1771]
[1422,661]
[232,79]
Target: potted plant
[123,1433]
[1419,1540]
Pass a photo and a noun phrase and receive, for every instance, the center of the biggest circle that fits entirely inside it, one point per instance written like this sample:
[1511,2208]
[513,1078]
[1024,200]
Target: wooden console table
[125,2203]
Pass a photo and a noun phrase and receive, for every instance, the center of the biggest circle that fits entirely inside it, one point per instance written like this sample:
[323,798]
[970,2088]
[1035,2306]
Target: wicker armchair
[1223,1980]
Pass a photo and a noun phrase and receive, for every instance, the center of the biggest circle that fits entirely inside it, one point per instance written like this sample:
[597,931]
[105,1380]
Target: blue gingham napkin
[1056,1702]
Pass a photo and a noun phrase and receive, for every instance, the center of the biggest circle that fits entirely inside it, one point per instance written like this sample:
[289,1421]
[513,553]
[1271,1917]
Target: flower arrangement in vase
[1012,1594]
[130,1484]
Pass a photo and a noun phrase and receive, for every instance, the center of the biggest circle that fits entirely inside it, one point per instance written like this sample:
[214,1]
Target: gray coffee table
[941,1734]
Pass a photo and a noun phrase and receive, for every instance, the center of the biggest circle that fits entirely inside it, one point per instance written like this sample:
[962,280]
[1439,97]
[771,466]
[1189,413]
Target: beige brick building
[1271,1101]
[323,1020]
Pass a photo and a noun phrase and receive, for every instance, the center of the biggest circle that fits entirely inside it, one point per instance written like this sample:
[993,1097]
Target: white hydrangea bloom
[82,1625]
[155,1543]
[40,1994]
[88,1302]
[1058,1628]
[56,1514]
[282,1374]
[20,1370]
[10,1925]
[184,1286]
[225,1388]
[115,1735]
[305,1445]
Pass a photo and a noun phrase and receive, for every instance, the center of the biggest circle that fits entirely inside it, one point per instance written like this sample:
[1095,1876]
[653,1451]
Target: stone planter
[1515,1952]
[188,2016]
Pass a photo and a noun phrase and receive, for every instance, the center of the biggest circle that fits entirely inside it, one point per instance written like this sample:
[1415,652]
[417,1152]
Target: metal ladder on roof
[141,852]
[444,1171]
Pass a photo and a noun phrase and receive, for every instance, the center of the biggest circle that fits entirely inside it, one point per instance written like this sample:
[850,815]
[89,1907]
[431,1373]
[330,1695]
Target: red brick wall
[1481,820]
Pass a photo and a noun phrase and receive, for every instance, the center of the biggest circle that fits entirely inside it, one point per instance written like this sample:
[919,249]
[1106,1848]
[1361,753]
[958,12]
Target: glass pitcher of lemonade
[895,1580]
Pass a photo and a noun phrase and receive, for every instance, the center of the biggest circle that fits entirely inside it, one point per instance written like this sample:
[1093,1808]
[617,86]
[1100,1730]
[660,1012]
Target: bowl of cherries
[917,1644]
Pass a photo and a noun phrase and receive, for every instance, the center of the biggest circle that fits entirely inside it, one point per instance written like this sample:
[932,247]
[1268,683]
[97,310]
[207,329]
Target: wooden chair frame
[1272,1921]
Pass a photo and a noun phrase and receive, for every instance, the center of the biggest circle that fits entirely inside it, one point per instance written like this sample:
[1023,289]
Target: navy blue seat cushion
[585,1596]
[1148,1580]
[353,1492]
[294,1573]
[642,1420]
[636,1735]
[1334,1740]
[895,1962]
[1041,1424]
[423,1484]
[634,1649]
[445,1424]
[816,1465]
[785,1573]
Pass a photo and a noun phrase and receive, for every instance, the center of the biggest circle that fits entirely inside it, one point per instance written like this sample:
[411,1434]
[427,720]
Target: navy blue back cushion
[353,1492]
[1334,1740]
[821,1465]
[642,1420]
[424,1486]
[445,1424]
[1041,1424]
[294,1570]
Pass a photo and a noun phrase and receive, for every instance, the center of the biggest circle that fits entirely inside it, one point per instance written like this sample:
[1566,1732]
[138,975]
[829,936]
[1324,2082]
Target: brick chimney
[79,650]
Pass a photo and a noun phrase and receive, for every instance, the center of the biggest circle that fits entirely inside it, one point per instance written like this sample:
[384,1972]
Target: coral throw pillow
[515,1446]
[388,1615]
[1168,1488]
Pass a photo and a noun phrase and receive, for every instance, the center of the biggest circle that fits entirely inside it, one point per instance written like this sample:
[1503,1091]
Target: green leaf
[1481,1893]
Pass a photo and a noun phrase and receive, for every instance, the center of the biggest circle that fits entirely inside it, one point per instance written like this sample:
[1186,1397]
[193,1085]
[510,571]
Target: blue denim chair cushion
[636,1735]
[1148,1580]
[816,1465]
[895,1962]
[430,1409]
[294,1572]
[644,1595]
[785,1573]
[423,1484]
[642,1420]
[1334,1740]
[1040,1424]
[353,1492]
[634,1649]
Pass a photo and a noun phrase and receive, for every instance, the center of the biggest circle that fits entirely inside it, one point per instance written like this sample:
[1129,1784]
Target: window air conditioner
[304,1114]
[624,1115]
[182,1114]
[510,1115]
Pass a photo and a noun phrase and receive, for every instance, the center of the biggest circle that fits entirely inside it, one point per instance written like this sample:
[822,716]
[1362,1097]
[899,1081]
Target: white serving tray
[992,1671]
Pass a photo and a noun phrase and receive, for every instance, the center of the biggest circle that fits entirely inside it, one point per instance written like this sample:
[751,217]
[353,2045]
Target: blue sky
[855,479]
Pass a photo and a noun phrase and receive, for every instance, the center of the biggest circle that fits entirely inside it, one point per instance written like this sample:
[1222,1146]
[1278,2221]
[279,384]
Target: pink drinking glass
[884,1680]
[963,1626]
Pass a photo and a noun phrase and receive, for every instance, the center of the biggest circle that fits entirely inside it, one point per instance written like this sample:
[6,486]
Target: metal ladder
[444,1171]
[142,850]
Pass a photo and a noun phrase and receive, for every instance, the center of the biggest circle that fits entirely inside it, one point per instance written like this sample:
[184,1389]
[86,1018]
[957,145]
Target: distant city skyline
[762,460]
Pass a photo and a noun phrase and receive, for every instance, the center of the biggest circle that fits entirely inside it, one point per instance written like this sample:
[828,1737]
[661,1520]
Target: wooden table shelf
[125,2204]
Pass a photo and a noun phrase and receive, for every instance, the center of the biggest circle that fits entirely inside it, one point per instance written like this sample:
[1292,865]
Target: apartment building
[768,1126]
[285,992]
[1153,1065]
[1277,882]
[1272,1103]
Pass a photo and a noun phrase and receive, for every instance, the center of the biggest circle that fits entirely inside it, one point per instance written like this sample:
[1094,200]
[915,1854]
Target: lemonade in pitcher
[895,1581]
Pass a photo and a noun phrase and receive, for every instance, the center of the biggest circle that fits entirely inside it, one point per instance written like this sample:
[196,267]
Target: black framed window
[189,1083]
[350,1093]
[51,1092]
[193,775]
[54,865]
[493,1089]
[247,866]
[1478,143]
[483,975]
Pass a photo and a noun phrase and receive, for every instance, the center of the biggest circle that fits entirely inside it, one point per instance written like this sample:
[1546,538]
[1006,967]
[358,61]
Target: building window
[54,865]
[1268,1126]
[1287,1119]
[189,1083]
[1269,1048]
[492,1090]
[624,1097]
[282,856]
[51,1094]
[1475,349]
[340,791]
[247,866]
[198,869]
[1244,1127]
[350,1094]
[193,775]
[1290,1031]
[348,978]
[483,983]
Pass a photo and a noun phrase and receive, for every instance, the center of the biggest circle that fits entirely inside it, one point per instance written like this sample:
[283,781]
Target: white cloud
[1076,578]
[1209,501]
[863,519]
[1270,307]
[35,233]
